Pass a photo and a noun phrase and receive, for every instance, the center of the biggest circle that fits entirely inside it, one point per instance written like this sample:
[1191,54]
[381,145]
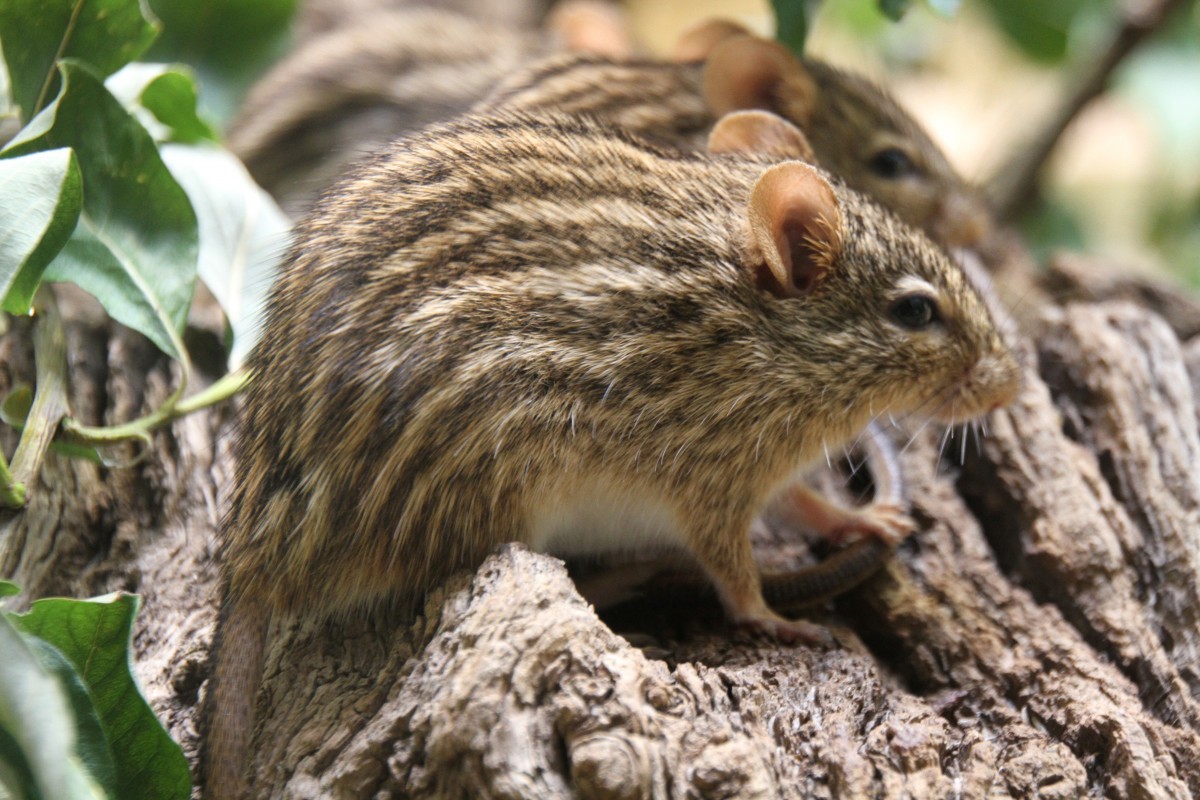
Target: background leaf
[228,42]
[105,33]
[165,96]
[9,589]
[242,235]
[893,9]
[792,22]
[39,206]
[136,243]
[37,728]
[1042,30]
[94,635]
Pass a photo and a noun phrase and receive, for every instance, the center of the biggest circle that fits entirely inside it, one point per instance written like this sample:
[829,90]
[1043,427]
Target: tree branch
[1015,185]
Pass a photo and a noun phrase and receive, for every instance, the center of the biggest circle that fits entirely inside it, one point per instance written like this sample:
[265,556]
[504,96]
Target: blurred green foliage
[1159,81]
[227,42]
[1042,30]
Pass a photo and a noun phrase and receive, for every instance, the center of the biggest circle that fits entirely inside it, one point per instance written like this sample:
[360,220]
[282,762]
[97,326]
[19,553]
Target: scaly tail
[228,716]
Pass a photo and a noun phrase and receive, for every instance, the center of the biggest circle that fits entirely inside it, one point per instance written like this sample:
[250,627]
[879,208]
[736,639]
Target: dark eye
[892,163]
[915,311]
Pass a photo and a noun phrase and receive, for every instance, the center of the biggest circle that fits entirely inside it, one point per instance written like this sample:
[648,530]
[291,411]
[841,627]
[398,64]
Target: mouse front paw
[884,521]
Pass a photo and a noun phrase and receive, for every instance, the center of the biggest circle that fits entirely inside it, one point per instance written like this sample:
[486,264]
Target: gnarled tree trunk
[1039,635]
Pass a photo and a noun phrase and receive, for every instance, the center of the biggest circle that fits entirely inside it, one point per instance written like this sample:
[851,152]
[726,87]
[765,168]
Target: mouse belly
[603,517]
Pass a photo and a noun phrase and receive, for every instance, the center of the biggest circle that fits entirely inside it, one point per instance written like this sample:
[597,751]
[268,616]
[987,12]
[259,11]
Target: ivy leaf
[242,235]
[37,728]
[94,636]
[39,206]
[163,98]
[37,33]
[136,243]
[9,589]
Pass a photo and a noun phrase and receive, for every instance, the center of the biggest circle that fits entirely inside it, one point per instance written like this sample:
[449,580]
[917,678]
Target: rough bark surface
[1039,635]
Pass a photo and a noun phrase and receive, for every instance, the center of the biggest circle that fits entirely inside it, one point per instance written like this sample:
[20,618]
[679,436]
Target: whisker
[942,448]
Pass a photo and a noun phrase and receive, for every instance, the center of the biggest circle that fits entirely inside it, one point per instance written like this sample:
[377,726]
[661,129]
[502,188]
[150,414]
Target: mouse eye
[892,163]
[915,311]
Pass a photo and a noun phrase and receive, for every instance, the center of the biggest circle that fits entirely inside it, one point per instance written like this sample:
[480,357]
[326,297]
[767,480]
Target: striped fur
[848,120]
[345,93]
[485,309]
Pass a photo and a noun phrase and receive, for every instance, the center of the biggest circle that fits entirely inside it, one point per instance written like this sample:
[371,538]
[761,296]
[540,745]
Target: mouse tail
[239,650]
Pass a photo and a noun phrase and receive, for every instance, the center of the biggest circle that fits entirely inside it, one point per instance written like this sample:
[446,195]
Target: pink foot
[786,630]
[884,521]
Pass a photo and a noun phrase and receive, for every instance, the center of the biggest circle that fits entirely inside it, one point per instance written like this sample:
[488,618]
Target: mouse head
[857,131]
[844,285]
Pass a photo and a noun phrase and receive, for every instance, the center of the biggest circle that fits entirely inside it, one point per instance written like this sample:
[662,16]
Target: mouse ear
[698,41]
[745,72]
[591,26]
[759,132]
[795,229]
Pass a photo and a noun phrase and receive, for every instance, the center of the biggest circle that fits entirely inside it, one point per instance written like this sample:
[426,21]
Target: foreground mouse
[538,329]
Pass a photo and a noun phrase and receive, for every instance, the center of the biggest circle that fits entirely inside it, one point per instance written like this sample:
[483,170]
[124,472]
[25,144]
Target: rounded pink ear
[795,229]
[591,26]
[745,72]
[760,132]
[698,41]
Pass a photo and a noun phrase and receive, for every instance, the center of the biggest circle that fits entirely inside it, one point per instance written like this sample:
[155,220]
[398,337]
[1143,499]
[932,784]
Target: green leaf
[136,243]
[163,97]
[91,745]
[15,408]
[94,635]
[36,33]
[242,235]
[39,206]
[894,9]
[38,758]
[228,42]
[1042,29]
[792,22]
[9,589]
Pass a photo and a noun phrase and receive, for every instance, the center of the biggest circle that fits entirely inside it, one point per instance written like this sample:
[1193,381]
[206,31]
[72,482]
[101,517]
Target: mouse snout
[962,220]
[998,377]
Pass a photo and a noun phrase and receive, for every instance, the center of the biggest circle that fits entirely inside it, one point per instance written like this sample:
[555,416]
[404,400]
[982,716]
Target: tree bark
[1039,635]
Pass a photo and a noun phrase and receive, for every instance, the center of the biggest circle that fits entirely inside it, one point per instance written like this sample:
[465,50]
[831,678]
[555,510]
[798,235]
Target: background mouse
[540,329]
[384,71]
[856,129]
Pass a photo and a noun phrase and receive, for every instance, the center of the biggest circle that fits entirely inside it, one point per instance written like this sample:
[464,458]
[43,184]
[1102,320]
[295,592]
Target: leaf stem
[40,103]
[1015,185]
[50,397]
[168,412]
